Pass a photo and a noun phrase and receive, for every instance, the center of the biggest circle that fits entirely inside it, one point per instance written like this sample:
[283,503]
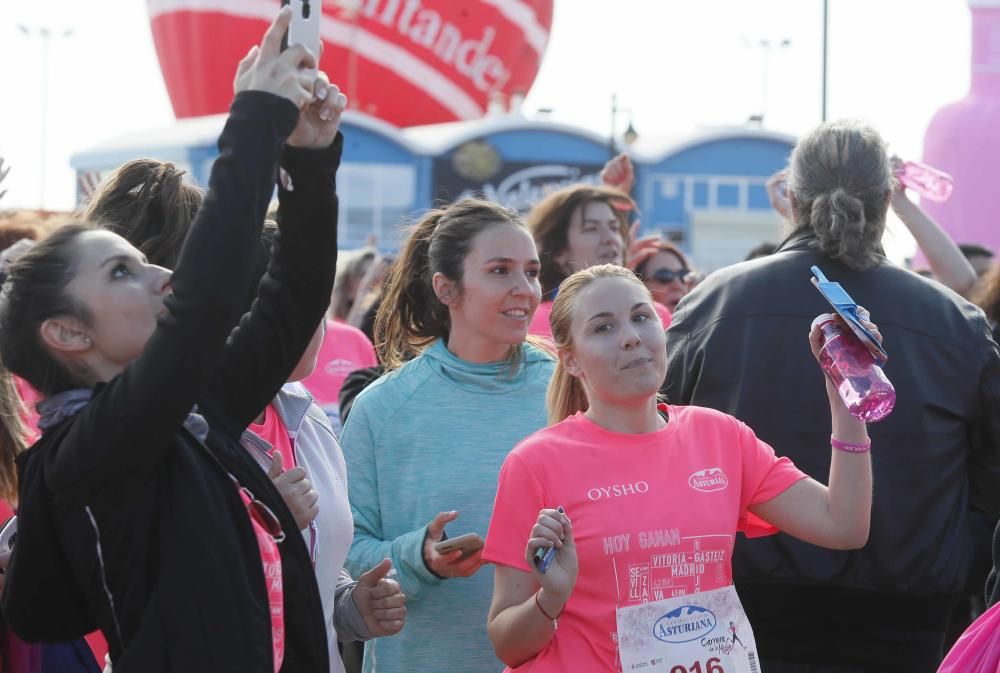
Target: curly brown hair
[549,224]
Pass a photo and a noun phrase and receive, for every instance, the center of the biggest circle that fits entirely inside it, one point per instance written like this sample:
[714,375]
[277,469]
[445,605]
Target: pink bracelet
[850,448]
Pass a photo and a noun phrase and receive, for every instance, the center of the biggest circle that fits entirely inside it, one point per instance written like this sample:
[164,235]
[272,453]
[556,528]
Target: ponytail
[13,435]
[410,316]
[839,222]
[840,179]
[565,395]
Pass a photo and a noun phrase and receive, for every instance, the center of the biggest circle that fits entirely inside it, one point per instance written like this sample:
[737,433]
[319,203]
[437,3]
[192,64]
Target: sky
[674,66]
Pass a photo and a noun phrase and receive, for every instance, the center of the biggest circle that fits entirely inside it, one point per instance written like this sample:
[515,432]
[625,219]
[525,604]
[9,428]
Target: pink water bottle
[861,383]
[926,181]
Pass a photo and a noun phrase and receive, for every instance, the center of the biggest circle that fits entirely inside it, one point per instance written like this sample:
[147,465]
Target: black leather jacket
[738,343]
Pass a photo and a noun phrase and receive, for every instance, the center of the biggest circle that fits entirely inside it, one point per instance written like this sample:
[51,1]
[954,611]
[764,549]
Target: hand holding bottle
[852,376]
[925,180]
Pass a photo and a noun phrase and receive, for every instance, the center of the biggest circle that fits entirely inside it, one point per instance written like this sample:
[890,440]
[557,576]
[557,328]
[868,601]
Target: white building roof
[430,140]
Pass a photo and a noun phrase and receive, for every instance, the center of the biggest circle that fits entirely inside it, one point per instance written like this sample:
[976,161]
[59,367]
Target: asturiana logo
[686,623]
[708,480]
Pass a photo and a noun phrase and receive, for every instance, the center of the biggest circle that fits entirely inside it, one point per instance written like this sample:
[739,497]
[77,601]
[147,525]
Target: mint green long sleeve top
[426,438]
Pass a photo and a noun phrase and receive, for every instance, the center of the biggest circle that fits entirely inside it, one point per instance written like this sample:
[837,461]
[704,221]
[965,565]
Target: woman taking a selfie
[140,512]
[148,204]
[652,496]
[424,443]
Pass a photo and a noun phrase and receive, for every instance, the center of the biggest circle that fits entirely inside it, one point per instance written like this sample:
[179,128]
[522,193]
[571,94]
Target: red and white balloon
[408,62]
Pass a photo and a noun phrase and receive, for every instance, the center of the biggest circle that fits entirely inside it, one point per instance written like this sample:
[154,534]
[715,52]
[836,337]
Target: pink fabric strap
[850,448]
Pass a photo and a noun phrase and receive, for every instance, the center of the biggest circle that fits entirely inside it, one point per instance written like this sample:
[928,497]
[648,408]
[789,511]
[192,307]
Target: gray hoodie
[329,536]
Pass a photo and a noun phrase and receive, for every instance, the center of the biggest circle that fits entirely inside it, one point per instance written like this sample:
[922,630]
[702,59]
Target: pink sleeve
[664,313]
[539,325]
[765,476]
[515,511]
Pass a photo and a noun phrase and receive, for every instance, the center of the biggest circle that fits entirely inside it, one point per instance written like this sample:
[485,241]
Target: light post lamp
[766,47]
[46,34]
[826,48]
[629,136]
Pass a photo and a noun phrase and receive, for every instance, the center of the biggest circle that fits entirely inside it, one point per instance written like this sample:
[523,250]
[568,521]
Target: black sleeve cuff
[297,160]
[251,105]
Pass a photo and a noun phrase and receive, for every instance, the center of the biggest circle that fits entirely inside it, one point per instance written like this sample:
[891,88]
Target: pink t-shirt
[274,432]
[345,349]
[540,321]
[654,515]
[539,325]
[270,559]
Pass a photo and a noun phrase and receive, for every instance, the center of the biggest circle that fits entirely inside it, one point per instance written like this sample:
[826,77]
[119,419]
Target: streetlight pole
[826,31]
[46,34]
[765,46]
[630,135]
[614,120]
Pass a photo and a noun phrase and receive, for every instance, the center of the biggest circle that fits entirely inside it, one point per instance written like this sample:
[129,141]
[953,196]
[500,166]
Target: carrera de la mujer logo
[684,624]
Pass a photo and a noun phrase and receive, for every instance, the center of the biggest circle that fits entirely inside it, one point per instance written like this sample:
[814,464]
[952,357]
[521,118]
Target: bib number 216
[713,665]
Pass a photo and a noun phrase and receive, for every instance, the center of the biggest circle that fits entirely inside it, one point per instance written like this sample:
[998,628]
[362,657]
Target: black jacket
[154,546]
[738,343]
[993,581]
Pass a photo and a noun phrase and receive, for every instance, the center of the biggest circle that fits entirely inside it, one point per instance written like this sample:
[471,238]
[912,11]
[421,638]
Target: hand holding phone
[259,70]
[467,544]
[457,562]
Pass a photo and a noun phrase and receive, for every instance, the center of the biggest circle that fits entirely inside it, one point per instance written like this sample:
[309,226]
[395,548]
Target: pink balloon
[408,62]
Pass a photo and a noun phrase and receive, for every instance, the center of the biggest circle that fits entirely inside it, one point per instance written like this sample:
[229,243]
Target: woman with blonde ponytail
[424,443]
[627,507]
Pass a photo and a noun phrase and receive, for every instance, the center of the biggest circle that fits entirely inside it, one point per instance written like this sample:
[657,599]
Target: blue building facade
[706,191]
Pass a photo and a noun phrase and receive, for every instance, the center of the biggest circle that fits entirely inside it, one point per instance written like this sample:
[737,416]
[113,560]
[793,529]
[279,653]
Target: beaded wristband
[850,448]
[554,620]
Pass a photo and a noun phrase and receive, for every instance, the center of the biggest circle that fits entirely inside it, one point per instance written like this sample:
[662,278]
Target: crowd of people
[524,441]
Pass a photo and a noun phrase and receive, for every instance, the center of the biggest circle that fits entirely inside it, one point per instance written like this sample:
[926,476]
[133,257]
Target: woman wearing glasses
[140,513]
[667,274]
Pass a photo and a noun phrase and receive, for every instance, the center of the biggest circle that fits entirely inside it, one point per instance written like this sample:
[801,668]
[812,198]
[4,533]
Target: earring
[87,340]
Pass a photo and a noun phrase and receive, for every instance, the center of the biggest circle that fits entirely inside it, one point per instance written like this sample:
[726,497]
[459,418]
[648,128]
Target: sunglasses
[260,513]
[668,275]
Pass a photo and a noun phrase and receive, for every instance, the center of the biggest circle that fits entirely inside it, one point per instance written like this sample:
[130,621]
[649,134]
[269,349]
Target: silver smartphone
[7,535]
[304,28]
[468,543]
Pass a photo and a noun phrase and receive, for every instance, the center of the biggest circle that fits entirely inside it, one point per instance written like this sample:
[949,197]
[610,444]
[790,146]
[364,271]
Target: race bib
[705,632]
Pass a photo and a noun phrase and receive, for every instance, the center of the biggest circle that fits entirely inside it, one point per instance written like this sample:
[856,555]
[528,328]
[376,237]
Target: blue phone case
[543,557]
[847,309]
